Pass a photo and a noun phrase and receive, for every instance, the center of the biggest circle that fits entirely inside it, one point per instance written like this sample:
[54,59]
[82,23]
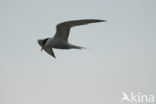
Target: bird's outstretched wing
[63,29]
[48,50]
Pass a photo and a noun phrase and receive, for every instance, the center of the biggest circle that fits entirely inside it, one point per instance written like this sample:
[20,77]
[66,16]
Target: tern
[60,39]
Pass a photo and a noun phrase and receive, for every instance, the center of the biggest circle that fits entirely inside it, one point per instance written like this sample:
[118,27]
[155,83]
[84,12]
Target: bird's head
[42,42]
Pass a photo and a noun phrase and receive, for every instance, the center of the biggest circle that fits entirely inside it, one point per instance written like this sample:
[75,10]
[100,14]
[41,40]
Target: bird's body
[57,43]
[60,39]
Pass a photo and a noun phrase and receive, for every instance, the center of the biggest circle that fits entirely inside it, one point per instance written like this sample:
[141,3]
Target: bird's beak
[42,48]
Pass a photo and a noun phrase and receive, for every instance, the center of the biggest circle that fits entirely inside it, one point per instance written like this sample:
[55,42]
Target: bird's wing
[48,50]
[63,29]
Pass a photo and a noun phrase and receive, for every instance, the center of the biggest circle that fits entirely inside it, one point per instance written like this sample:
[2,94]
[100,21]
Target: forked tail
[77,47]
[82,48]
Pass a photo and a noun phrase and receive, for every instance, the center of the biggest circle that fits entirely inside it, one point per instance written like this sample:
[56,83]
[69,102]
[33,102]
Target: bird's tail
[82,48]
[77,47]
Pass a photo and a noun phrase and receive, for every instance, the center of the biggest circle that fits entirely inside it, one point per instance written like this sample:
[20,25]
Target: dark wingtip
[103,20]
[98,20]
[54,56]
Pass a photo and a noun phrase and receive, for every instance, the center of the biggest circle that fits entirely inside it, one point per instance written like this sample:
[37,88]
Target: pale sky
[121,54]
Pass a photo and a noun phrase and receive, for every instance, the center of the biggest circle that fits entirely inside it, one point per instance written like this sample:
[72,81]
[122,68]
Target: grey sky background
[121,54]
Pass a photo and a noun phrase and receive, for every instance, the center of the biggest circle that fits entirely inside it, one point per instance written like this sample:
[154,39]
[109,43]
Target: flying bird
[60,39]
